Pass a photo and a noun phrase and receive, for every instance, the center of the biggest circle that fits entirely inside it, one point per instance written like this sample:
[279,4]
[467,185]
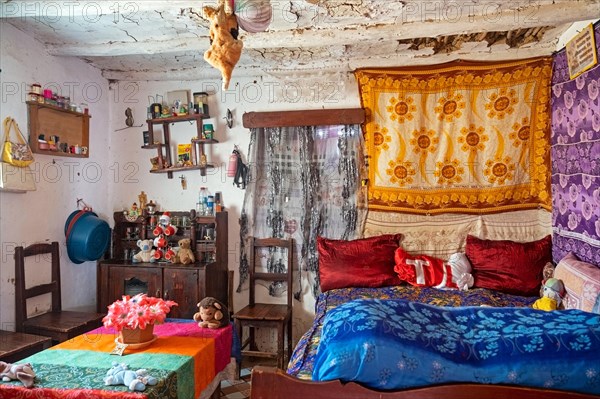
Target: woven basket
[137,336]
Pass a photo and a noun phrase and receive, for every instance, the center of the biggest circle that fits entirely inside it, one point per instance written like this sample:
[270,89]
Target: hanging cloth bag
[15,153]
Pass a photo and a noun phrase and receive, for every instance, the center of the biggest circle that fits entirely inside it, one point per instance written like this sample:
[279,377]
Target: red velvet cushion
[508,266]
[366,262]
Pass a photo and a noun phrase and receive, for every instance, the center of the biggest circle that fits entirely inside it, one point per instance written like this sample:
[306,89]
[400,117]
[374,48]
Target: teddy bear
[185,255]
[22,372]
[212,314]
[120,374]
[146,251]
[553,293]
[225,48]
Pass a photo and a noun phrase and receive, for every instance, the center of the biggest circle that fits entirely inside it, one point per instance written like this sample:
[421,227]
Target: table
[184,358]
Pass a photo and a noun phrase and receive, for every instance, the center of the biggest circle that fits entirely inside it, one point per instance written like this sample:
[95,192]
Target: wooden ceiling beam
[313,117]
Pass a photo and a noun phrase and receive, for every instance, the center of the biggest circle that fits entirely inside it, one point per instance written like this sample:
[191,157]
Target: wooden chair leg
[280,339]
[289,340]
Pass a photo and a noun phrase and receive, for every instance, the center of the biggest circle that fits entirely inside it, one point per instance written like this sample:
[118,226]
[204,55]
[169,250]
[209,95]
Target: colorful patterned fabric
[301,364]
[581,280]
[184,358]
[467,137]
[398,344]
[576,161]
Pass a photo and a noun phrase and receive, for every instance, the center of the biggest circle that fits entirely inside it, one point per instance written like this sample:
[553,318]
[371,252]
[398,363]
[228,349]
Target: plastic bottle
[202,200]
[210,205]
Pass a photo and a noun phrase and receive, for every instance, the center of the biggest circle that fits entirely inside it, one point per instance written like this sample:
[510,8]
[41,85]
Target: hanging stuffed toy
[225,48]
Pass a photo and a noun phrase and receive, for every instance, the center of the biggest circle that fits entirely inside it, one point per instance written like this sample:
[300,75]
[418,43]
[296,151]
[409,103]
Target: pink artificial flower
[137,311]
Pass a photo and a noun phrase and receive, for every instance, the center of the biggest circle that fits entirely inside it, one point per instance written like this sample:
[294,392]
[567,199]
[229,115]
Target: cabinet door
[181,286]
[133,280]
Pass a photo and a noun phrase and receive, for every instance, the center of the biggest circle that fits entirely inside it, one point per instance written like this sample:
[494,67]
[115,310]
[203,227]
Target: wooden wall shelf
[166,158]
[71,127]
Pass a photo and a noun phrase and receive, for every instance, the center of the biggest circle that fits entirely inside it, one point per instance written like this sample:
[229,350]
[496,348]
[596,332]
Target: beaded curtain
[303,182]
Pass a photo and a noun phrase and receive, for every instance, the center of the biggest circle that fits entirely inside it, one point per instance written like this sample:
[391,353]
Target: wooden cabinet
[184,284]
[71,127]
[166,161]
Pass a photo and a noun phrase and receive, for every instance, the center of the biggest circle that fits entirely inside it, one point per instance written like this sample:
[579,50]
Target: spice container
[201,103]
[36,88]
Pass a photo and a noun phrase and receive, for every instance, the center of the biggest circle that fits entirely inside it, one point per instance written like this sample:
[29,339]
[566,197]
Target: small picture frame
[180,96]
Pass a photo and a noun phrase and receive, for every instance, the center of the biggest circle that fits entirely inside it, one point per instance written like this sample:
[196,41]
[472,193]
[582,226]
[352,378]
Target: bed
[189,362]
[395,340]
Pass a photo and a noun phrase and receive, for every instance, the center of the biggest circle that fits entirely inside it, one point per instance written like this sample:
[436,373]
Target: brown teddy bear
[212,314]
[185,254]
[225,49]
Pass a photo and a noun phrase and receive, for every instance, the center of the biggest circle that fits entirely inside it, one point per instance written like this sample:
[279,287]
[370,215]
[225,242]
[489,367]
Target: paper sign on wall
[581,52]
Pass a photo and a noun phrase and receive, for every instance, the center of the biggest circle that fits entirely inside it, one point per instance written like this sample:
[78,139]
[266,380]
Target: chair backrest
[52,288]
[287,276]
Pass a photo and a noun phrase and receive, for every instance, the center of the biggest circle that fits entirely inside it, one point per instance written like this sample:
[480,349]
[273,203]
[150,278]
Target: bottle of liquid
[202,200]
[218,204]
[210,206]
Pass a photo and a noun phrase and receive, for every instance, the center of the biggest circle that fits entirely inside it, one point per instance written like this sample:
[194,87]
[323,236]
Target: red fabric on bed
[366,262]
[509,266]
[423,271]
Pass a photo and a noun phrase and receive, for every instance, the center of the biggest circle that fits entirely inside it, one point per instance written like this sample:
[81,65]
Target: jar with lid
[201,103]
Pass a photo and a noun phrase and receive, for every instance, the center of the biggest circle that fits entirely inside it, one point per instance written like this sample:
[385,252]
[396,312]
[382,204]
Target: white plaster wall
[261,93]
[40,215]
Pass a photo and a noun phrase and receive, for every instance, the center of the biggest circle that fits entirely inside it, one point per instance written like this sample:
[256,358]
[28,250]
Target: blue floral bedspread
[396,344]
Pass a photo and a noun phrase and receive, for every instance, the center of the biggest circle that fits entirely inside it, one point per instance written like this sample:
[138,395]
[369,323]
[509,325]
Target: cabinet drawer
[181,286]
[133,280]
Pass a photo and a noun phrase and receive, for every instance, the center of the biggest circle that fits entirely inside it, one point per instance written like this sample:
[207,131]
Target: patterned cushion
[428,271]
[582,282]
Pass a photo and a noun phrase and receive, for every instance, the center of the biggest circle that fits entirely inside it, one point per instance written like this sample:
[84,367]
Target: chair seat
[63,322]
[15,346]
[263,311]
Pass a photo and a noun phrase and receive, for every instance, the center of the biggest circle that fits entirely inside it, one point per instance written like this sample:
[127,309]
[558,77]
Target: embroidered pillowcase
[581,280]
[509,266]
[366,262]
[428,271]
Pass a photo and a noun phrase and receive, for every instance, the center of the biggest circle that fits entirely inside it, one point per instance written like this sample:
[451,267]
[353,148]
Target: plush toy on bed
[212,314]
[225,48]
[22,372]
[120,374]
[553,292]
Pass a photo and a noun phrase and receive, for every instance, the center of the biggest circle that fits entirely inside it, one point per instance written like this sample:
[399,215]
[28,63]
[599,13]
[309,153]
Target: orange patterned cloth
[468,137]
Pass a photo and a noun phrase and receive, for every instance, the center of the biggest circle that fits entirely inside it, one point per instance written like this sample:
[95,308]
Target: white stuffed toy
[461,270]
[120,374]
[146,252]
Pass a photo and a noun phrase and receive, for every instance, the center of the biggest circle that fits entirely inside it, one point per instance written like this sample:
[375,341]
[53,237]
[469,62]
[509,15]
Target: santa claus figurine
[164,226]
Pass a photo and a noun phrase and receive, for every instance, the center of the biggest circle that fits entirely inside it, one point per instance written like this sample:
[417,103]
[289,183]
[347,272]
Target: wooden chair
[266,315]
[57,324]
[15,346]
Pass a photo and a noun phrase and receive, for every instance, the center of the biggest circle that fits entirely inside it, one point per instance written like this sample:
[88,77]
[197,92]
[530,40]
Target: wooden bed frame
[272,383]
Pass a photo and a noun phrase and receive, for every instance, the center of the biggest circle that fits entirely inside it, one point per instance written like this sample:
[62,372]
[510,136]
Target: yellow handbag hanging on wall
[16,153]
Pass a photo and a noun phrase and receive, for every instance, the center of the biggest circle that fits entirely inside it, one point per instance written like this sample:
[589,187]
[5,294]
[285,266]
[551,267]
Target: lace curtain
[303,182]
